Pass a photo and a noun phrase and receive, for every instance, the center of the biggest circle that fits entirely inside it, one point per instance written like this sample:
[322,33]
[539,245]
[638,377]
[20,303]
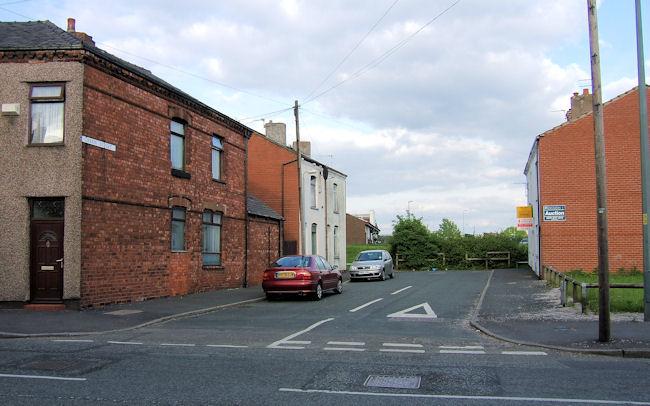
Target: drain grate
[398,382]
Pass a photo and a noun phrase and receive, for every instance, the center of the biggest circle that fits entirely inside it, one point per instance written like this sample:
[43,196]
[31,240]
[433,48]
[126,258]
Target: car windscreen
[369,256]
[291,262]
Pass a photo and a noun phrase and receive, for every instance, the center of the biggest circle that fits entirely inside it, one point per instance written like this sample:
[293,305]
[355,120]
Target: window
[320,263]
[335,190]
[211,238]
[312,191]
[336,241]
[46,107]
[178,229]
[217,151]
[314,242]
[177,145]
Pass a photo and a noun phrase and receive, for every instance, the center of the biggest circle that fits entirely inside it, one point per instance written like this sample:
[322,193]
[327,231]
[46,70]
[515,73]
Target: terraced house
[116,186]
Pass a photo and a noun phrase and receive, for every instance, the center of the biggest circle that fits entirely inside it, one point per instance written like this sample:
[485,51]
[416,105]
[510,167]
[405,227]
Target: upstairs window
[211,238]
[335,190]
[217,152]
[47,110]
[177,144]
[312,191]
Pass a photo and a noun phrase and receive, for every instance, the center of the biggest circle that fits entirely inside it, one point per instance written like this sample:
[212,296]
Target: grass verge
[620,300]
[353,250]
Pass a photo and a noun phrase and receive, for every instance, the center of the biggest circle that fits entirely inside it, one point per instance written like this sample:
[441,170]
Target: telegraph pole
[301,233]
[604,323]
[645,165]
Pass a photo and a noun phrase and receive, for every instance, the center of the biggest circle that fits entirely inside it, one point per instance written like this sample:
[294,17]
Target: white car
[372,264]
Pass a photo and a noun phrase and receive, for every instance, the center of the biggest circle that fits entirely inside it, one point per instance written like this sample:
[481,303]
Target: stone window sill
[181,174]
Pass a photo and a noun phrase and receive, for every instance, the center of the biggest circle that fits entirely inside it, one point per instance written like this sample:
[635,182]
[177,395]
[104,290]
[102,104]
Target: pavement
[515,307]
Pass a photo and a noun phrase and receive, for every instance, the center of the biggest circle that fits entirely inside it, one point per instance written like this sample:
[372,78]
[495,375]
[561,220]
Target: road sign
[406,313]
[524,224]
[524,212]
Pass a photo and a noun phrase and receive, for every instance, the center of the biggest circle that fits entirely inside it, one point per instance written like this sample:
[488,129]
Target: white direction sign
[406,313]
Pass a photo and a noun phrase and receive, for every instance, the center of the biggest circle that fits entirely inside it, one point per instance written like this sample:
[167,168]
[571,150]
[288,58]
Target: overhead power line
[352,50]
[377,61]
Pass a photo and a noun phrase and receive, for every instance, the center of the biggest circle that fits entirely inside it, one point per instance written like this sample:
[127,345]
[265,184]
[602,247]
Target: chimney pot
[575,93]
[71,24]
[585,91]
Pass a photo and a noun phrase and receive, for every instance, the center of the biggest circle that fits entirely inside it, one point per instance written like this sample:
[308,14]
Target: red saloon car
[301,275]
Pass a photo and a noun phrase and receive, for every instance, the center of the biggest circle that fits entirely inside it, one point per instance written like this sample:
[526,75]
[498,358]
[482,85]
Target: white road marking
[467,397]
[461,352]
[288,339]
[401,350]
[125,342]
[401,290]
[74,341]
[402,345]
[365,305]
[297,342]
[177,345]
[286,347]
[226,346]
[343,349]
[55,378]
[428,312]
[523,353]
[345,343]
[465,347]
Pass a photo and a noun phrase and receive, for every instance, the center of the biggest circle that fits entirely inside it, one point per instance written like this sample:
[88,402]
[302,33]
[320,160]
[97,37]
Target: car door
[326,272]
[388,263]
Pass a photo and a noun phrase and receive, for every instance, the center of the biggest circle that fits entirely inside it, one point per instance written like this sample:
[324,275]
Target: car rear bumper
[289,287]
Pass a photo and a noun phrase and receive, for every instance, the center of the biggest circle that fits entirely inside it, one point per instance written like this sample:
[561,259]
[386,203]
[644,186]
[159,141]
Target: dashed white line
[343,349]
[365,305]
[286,347]
[55,378]
[462,352]
[402,345]
[401,350]
[523,353]
[345,343]
[401,290]
[177,345]
[125,342]
[74,341]
[226,346]
[463,347]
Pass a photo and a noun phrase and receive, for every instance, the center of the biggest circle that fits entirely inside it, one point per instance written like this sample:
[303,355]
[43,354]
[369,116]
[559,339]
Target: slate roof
[45,35]
[257,208]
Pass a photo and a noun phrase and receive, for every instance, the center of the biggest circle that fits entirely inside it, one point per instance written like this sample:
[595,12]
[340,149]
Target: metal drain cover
[399,382]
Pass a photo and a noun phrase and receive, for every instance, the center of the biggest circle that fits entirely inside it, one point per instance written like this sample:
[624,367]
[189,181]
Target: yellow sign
[524,212]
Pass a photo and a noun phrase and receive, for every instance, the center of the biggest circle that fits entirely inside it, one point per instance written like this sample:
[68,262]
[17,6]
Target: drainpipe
[325,176]
[539,219]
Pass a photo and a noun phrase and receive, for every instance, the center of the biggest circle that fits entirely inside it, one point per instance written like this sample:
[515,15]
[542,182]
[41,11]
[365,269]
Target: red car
[301,275]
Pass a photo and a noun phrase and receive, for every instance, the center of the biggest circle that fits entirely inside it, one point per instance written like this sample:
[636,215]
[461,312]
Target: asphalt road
[408,336]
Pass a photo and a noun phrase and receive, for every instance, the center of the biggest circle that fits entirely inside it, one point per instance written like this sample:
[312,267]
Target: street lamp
[464,211]
[408,208]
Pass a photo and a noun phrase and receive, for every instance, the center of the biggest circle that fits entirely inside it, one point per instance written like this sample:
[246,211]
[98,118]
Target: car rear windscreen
[291,262]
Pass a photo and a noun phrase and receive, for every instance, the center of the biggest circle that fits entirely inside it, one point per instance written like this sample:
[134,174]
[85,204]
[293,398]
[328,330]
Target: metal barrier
[575,291]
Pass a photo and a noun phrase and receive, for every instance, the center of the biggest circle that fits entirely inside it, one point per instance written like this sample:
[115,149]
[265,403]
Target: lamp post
[408,208]
[464,211]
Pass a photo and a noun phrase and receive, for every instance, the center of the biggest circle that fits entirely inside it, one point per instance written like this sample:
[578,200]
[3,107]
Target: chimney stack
[276,132]
[85,38]
[305,147]
[580,104]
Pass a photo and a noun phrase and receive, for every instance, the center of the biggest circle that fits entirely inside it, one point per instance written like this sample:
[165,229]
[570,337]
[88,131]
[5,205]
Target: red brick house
[562,190]
[360,231]
[117,186]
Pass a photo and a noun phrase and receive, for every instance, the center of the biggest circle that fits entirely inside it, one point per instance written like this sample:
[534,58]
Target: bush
[414,243]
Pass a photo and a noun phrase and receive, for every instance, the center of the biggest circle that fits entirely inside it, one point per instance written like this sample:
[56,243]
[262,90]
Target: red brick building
[137,187]
[562,189]
[360,231]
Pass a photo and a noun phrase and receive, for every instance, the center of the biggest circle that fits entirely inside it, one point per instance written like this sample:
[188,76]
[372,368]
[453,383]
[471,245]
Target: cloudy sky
[415,101]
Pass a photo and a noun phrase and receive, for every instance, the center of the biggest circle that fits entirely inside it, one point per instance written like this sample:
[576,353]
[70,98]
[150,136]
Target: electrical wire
[352,50]
[377,61]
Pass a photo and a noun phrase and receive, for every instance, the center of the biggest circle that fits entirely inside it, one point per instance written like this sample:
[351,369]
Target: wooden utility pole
[301,205]
[645,161]
[604,323]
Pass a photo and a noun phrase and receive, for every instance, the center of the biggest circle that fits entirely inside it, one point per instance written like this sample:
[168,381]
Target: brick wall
[127,195]
[267,180]
[567,176]
[264,247]
[355,229]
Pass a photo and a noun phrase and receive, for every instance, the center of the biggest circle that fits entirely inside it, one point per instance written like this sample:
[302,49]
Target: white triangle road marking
[429,313]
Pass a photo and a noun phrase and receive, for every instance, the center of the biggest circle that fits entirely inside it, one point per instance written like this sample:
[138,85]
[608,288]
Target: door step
[44,307]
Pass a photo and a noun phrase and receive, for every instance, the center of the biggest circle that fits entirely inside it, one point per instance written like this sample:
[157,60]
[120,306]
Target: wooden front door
[46,260]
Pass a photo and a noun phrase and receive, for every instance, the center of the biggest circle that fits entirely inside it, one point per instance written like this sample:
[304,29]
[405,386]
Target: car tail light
[303,274]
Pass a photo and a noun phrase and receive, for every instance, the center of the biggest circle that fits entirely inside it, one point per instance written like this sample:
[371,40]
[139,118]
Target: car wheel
[318,294]
[392,275]
[339,287]
[383,275]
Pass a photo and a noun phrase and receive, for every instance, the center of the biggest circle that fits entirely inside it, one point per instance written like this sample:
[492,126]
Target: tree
[448,230]
[413,241]
[513,233]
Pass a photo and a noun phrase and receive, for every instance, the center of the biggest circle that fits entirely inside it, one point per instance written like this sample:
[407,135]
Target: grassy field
[621,300]
[353,250]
